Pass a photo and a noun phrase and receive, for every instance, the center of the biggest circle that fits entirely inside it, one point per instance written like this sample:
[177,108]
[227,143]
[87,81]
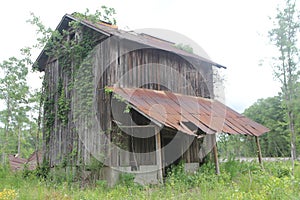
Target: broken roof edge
[42,58]
[161,125]
[239,123]
[182,128]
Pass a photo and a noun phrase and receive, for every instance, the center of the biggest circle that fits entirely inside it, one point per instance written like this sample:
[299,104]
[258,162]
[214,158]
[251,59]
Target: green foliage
[284,35]
[70,47]
[42,171]
[106,14]
[108,90]
[16,95]
[72,44]
[121,99]
[63,107]
[271,113]
[95,165]
[127,179]
[250,182]
[231,146]
[185,47]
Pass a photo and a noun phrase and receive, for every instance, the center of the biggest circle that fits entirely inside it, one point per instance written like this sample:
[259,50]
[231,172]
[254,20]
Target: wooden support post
[158,155]
[215,152]
[258,150]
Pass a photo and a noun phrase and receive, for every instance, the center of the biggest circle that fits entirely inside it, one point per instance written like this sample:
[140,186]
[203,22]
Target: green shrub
[126,179]
[42,171]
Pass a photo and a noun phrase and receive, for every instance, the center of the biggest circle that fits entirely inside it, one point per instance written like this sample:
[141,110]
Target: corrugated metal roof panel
[16,163]
[174,110]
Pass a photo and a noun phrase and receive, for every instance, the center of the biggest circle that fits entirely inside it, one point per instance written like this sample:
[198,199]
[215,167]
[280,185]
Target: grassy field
[237,181]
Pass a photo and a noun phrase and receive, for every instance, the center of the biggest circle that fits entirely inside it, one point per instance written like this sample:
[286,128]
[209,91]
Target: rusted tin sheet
[33,159]
[174,110]
[16,163]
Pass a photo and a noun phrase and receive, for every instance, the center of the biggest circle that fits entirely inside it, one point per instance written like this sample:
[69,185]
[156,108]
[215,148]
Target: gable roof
[141,39]
[176,111]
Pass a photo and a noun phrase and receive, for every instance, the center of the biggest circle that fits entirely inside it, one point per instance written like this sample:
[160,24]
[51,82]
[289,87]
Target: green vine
[184,47]
[49,115]
[70,47]
[119,98]
[63,108]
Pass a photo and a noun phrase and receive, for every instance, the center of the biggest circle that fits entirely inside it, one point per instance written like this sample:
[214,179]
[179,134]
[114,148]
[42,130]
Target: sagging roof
[111,30]
[176,111]
[16,163]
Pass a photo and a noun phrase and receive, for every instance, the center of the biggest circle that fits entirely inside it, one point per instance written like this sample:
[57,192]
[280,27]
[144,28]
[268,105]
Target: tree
[284,36]
[271,113]
[14,92]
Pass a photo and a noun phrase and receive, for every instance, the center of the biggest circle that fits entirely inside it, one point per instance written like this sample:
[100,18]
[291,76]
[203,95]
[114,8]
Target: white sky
[232,32]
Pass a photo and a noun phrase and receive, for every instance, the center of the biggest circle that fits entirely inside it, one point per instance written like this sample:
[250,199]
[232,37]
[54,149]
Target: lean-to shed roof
[176,111]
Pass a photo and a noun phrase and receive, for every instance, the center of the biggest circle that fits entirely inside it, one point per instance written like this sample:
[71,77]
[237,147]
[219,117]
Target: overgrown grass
[238,180]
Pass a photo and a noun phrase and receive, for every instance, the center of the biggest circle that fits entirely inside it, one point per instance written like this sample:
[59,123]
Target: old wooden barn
[134,102]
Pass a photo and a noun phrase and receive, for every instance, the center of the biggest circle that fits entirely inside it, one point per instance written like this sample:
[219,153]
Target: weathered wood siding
[126,66]
[59,138]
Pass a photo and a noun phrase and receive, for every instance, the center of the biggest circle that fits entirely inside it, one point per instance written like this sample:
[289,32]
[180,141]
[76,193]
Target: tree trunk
[293,139]
[37,142]
[6,129]
[19,141]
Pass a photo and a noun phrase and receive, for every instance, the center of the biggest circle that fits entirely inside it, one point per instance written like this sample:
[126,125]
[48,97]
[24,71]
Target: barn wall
[124,65]
[59,136]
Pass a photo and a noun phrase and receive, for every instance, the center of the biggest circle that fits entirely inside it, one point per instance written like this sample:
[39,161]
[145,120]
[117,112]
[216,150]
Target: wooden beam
[215,152]
[138,126]
[151,119]
[258,150]
[158,155]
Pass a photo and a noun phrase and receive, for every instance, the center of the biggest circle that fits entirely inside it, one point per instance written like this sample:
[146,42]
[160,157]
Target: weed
[245,181]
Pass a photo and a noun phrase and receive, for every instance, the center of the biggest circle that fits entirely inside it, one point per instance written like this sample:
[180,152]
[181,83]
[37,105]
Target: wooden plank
[215,152]
[138,126]
[158,155]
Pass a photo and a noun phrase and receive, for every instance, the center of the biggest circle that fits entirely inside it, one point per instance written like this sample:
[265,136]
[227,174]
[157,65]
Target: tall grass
[238,180]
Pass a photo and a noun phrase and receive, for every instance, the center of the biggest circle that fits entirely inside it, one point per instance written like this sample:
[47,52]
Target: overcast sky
[232,32]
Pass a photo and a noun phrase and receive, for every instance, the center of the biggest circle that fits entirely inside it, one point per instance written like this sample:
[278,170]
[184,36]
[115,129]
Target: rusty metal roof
[141,39]
[147,40]
[32,160]
[16,163]
[176,111]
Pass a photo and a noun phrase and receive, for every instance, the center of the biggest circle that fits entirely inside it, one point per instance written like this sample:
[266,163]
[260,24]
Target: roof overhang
[175,111]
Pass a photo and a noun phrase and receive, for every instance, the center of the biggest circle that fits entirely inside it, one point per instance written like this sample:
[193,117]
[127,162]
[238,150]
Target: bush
[127,179]
[42,171]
